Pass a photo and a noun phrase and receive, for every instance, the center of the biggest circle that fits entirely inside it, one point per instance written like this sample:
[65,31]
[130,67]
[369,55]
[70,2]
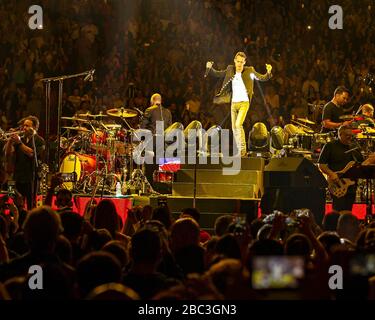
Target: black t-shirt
[333,113]
[333,154]
[24,165]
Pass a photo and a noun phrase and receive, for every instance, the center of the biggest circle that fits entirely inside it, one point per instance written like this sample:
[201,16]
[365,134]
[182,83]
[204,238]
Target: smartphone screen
[363,265]
[277,272]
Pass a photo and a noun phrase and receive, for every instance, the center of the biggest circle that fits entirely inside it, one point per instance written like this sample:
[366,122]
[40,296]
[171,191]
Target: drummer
[333,110]
[368,115]
[365,120]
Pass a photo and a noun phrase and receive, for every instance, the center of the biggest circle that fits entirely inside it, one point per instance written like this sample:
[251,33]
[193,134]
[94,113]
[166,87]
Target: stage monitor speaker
[294,183]
[293,173]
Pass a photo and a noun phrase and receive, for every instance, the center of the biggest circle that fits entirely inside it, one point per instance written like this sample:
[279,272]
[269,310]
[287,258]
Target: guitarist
[334,156]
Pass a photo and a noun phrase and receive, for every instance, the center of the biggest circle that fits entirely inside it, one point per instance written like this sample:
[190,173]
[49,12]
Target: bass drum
[80,164]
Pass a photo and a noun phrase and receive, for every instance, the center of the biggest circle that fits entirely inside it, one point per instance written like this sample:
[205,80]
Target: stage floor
[124,203]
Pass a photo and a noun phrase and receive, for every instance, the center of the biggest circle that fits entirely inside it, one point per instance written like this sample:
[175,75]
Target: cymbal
[122,113]
[113,125]
[100,115]
[82,129]
[306,121]
[302,125]
[300,151]
[74,119]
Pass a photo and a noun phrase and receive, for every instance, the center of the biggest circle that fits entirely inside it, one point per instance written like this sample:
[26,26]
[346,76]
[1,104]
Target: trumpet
[7,135]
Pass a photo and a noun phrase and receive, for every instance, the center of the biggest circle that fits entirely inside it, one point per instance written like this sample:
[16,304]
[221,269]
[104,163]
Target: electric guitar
[340,188]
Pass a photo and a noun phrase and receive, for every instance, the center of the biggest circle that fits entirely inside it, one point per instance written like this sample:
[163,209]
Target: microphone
[31,131]
[208,70]
[90,76]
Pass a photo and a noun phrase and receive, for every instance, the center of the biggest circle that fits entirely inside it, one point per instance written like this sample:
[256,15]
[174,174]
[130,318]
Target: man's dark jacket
[225,93]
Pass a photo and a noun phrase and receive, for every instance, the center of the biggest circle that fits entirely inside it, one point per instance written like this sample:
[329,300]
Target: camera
[277,272]
[290,222]
[302,213]
[239,226]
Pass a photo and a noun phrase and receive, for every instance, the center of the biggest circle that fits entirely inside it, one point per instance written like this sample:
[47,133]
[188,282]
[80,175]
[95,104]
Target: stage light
[193,134]
[277,138]
[309,27]
[259,137]
[176,126]
[213,150]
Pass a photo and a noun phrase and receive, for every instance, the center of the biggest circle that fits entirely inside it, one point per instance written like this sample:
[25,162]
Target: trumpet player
[25,149]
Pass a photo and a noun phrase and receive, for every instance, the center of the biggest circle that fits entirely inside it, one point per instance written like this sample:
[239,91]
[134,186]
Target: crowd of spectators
[140,47]
[154,255]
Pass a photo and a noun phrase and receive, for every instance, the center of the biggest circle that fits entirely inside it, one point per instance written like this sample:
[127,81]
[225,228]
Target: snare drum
[81,164]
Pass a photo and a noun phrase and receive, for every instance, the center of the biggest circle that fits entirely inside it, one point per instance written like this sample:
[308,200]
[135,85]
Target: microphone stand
[60,79]
[35,183]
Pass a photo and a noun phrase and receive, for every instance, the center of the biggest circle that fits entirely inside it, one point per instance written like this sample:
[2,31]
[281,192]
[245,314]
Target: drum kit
[302,138]
[97,150]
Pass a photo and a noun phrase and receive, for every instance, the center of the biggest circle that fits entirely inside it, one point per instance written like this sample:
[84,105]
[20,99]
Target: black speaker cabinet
[293,173]
[294,183]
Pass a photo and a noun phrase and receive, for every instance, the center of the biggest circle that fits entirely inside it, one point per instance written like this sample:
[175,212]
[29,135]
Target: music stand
[367,173]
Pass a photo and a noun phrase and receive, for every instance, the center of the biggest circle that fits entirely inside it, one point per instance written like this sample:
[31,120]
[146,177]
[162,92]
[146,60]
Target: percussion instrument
[94,116]
[122,113]
[305,121]
[81,164]
[163,176]
[80,129]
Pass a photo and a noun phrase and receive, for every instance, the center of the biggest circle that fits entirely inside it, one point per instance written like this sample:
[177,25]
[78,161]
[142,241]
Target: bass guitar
[340,187]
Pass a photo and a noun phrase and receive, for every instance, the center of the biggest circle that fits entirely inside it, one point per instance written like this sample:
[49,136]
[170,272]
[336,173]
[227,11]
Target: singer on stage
[27,149]
[237,89]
